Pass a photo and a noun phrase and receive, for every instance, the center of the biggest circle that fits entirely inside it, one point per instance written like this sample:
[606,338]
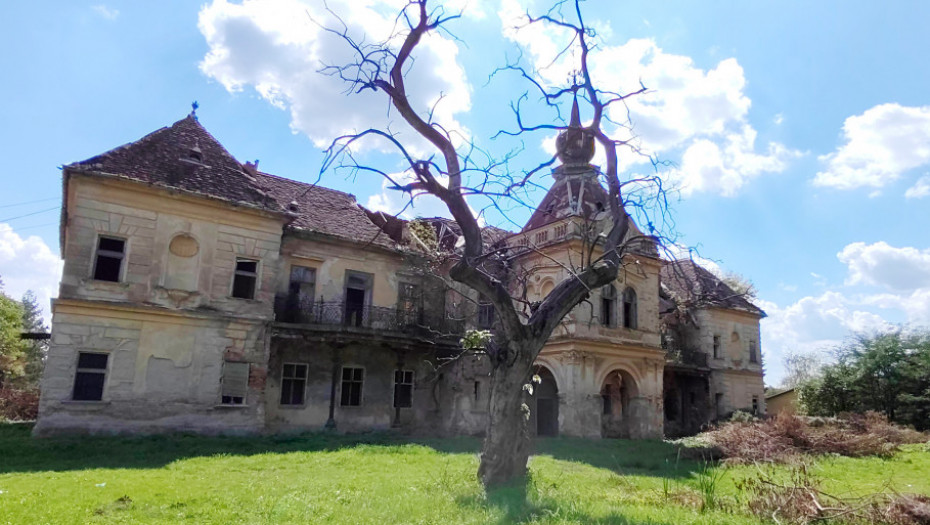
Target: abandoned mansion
[200,294]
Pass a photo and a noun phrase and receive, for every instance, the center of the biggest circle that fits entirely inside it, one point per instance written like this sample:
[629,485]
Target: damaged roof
[688,282]
[322,210]
[183,156]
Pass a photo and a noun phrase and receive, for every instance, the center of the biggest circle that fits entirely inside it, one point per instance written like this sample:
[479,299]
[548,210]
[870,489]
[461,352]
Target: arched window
[608,305]
[629,308]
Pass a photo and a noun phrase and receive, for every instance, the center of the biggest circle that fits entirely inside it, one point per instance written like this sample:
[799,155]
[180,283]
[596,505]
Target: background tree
[34,350]
[887,372]
[12,355]
[454,169]
[801,368]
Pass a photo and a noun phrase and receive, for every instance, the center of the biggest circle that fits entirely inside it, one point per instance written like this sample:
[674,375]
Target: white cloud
[920,189]
[28,264]
[106,12]
[882,144]
[702,113]
[879,264]
[277,48]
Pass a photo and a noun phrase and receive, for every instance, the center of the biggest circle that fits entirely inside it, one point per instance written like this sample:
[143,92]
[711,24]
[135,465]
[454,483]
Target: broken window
[716,347]
[755,405]
[293,384]
[352,379]
[410,303]
[753,352]
[403,388]
[109,262]
[245,278]
[608,305]
[90,376]
[358,288]
[302,286]
[629,308]
[235,383]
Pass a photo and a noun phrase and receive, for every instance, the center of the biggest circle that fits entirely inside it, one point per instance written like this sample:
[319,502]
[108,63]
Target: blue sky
[798,132]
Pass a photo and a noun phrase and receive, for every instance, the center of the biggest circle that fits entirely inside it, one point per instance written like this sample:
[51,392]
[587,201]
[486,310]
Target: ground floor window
[403,388]
[90,376]
[352,380]
[293,384]
[755,405]
[235,383]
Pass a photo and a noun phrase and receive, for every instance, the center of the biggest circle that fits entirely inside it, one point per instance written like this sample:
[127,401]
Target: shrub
[786,436]
[19,405]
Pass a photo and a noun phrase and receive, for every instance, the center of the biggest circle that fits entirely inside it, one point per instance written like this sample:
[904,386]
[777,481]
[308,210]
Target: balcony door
[300,293]
[358,297]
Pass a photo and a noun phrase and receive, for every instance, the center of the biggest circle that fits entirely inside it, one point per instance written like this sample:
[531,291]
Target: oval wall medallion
[184,245]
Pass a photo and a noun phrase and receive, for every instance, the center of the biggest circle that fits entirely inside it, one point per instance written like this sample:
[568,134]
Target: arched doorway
[544,404]
[617,414]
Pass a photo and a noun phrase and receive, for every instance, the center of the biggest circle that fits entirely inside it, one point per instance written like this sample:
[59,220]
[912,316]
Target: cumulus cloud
[106,12]
[700,114]
[277,48]
[920,189]
[879,264]
[881,145]
[28,264]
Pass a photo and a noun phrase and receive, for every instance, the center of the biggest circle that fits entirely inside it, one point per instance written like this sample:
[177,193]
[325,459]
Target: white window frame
[258,277]
[123,257]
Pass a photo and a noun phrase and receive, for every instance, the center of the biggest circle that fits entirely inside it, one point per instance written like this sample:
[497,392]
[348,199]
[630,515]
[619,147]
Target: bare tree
[452,173]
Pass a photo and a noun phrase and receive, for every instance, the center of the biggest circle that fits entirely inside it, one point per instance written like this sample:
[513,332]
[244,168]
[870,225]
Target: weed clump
[786,437]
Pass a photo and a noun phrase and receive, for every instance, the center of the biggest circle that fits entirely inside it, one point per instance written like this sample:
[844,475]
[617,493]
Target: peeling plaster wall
[163,372]
[166,334]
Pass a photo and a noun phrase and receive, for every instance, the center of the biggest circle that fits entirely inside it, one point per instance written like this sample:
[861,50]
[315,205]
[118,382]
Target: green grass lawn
[379,479]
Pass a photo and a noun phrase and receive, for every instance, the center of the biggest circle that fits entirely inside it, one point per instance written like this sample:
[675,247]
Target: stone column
[579,397]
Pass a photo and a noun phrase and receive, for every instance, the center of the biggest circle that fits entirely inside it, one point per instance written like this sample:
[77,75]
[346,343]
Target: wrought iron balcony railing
[686,356]
[293,309]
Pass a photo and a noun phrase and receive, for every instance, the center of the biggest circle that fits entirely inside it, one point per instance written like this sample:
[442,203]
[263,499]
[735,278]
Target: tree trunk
[506,446]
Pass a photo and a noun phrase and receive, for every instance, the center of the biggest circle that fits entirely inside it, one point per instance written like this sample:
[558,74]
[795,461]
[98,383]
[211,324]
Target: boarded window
[352,380]
[90,376]
[403,388]
[109,261]
[244,279]
[293,384]
[235,383]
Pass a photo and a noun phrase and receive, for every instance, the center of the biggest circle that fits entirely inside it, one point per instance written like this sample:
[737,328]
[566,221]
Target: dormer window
[195,154]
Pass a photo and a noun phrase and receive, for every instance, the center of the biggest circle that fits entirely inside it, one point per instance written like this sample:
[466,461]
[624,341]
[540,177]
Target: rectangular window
[109,261]
[409,303]
[358,298]
[90,377]
[235,383]
[244,279]
[755,405]
[403,388]
[753,352]
[542,237]
[293,384]
[352,379]
[716,347]
[485,315]
[561,230]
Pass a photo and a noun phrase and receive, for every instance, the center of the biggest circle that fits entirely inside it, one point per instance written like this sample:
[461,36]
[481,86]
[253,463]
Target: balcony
[687,357]
[343,316]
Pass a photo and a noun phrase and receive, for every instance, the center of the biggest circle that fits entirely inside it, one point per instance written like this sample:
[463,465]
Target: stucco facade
[200,294]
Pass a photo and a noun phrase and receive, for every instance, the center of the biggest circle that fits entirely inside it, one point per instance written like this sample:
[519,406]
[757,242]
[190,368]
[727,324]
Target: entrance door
[547,417]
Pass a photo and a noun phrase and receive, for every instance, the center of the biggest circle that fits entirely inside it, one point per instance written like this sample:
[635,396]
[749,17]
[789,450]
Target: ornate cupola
[576,190]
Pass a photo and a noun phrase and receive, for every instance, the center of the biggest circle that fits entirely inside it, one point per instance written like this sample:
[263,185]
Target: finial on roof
[194,106]
[575,145]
